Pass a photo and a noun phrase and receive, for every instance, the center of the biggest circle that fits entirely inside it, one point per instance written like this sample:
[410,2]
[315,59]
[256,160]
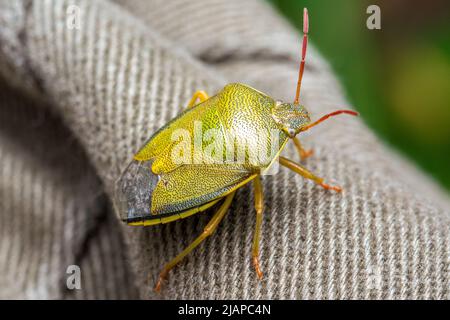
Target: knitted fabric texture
[77,103]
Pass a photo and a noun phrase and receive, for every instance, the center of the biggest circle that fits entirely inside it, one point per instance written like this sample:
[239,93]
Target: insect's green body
[208,152]
[249,125]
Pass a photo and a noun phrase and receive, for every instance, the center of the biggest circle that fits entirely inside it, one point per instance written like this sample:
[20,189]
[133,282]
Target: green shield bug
[172,178]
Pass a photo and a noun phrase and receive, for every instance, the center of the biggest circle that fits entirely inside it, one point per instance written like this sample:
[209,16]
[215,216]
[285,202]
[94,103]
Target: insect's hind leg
[306,173]
[301,151]
[198,95]
[209,229]
[259,207]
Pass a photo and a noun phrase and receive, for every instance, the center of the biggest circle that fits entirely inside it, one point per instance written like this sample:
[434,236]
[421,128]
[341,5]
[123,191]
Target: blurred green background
[396,77]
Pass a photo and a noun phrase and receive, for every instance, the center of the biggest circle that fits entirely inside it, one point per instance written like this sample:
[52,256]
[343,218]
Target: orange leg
[209,229]
[301,151]
[307,174]
[259,207]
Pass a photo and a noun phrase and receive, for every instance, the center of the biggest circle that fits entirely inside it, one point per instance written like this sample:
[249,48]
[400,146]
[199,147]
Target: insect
[158,188]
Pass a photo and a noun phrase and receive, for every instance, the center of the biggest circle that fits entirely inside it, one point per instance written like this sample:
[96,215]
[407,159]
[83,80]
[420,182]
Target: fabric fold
[128,69]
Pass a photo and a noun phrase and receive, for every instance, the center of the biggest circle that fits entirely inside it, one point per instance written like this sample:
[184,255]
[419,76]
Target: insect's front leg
[198,95]
[301,151]
[306,173]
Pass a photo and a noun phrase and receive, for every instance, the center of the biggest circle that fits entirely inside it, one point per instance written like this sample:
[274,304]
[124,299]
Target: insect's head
[293,117]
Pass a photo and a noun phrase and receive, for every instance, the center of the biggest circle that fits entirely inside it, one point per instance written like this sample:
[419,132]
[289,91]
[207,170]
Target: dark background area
[396,77]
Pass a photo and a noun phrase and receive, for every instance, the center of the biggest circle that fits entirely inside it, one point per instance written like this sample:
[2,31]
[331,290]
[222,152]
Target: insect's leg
[198,95]
[301,151]
[209,229]
[259,207]
[307,174]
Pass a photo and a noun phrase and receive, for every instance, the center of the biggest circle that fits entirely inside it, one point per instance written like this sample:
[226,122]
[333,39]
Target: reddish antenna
[302,63]
[332,114]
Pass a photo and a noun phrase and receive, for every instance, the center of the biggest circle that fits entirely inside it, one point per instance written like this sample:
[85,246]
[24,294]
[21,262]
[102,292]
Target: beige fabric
[77,103]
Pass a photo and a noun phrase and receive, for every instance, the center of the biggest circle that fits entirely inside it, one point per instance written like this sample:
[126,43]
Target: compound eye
[291,132]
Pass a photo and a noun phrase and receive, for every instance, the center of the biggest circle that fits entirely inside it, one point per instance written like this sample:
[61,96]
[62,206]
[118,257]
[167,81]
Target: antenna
[332,114]
[302,63]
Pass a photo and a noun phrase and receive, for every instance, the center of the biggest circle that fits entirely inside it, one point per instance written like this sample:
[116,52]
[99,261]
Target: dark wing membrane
[133,193]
